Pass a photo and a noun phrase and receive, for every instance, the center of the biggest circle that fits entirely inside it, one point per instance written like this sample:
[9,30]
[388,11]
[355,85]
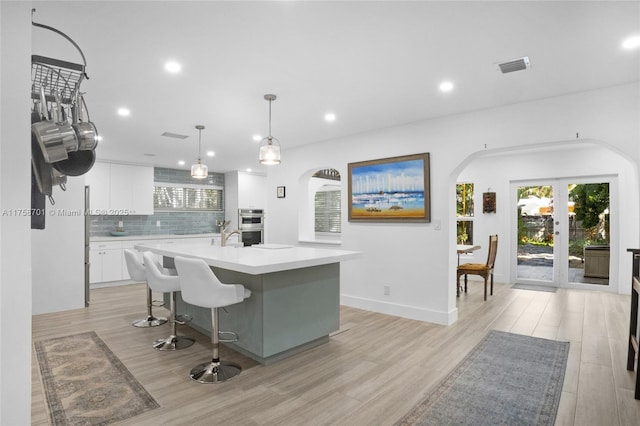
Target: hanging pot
[55,137]
[41,169]
[77,163]
[86,131]
[68,134]
[58,179]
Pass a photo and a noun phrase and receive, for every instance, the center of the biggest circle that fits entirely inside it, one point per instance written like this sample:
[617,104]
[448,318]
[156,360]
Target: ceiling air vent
[513,65]
[174,135]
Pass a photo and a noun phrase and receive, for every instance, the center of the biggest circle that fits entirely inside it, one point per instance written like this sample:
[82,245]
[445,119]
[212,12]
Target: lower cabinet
[107,258]
[106,262]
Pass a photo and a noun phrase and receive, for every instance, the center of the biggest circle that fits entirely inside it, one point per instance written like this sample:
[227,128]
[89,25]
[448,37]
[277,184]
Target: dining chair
[485,270]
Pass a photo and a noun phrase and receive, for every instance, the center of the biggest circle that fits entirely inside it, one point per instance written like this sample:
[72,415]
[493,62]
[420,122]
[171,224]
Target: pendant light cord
[270,137]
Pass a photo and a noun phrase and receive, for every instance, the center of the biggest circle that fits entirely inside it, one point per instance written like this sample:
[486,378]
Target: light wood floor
[372,372]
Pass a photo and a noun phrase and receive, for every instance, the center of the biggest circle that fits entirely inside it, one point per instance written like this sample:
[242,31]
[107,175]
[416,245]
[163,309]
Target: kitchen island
[295,295]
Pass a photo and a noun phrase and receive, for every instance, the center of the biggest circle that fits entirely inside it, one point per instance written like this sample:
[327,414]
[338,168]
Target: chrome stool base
[173,343]
[215,372]
[150,321]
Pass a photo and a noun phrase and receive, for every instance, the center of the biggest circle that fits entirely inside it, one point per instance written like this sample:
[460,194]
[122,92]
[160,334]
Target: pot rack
[60,82]
[55,75]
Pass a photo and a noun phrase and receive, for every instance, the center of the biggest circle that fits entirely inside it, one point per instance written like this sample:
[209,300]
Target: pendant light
[199,170]
[269,146]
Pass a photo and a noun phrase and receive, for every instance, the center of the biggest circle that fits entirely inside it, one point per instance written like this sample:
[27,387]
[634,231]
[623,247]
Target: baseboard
[111,284]
[398,310]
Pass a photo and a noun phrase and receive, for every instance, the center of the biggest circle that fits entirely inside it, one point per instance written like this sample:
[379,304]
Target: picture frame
[395,189]
[489,202]
[280,192]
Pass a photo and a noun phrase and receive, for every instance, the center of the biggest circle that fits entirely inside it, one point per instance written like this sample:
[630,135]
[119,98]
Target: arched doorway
[571,162]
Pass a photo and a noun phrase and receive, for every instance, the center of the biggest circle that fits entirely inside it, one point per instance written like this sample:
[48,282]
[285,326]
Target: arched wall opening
[494,170]
[311,182]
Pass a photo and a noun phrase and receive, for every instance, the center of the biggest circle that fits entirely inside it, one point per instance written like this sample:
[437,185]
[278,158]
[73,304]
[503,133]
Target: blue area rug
[507,379]
[86,384]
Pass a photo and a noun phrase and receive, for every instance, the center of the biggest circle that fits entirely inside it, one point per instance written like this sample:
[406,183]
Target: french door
[562,232]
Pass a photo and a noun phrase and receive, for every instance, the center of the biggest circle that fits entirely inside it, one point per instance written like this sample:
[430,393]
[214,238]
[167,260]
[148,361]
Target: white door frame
[561,229]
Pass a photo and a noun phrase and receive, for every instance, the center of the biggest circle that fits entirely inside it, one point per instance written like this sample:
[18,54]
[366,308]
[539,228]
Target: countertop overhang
[104,238]
[253,260]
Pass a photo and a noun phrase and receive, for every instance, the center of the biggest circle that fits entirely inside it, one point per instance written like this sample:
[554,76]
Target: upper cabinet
[120,189]
[243,191]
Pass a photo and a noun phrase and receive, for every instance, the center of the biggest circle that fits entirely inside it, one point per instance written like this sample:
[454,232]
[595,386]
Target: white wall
[573,160]
[15,190]
[57,252]
[416,260]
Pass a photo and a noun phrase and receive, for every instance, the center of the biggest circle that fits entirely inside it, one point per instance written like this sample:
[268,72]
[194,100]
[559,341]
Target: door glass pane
[535,232]
[589,238]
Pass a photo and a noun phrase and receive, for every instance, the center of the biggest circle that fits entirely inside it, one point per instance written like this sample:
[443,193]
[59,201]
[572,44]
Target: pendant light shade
[269,152]
[199,170]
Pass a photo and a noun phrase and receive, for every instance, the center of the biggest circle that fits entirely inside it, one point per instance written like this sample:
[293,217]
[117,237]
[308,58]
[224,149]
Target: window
[324,186]
[464,213]
[327,210]
[167,196]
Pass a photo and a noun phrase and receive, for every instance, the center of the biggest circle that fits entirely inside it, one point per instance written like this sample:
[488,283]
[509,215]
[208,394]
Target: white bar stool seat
[201,287]
[166,284]
[137,273]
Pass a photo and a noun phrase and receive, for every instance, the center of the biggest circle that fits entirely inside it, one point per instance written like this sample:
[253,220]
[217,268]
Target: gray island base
[287,313]
[295,295]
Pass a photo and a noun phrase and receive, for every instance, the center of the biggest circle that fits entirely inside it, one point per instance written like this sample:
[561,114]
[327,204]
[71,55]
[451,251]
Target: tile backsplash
[169,222]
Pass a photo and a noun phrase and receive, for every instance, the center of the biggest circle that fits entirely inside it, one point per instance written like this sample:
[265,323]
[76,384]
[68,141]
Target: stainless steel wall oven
[251,226]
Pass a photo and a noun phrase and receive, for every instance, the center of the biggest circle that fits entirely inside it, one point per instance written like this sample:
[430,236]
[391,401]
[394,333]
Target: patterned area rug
[507,379]
[86,384]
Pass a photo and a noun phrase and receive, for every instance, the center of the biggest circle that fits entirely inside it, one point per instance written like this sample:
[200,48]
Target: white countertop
[253,260]
[151,237]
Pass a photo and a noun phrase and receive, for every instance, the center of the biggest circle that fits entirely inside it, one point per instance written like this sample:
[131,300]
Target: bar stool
[166,284]
[201,287]
[137,273]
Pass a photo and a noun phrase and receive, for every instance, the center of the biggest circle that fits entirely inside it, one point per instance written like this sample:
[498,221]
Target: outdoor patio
[536,262]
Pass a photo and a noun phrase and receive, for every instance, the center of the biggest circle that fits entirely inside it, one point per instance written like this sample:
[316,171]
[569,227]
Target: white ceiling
[374,64]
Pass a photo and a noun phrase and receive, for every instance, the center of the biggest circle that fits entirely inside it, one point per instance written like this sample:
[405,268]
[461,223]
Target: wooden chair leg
[492,283]
[485,289]
[458,286]
[465,283]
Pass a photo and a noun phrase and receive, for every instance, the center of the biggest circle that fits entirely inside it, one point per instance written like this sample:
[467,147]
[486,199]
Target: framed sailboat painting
[392,189]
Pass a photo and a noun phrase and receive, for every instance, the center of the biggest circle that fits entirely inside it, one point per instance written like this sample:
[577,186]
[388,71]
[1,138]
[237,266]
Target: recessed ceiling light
[172,67]
[181,162]
[446,86]
[257,138]
[330,117]
[210,153]
[632,42]
[124,112]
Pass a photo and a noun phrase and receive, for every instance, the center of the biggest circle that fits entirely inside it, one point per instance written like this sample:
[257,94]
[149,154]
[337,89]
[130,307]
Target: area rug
[507,379]
[534,287]
[86,384]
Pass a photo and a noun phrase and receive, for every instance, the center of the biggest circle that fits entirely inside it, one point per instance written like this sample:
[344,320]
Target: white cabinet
[105,262]
[119,189]
[252,191]
[142,190]
[99,181]
[243,191]
[107,257]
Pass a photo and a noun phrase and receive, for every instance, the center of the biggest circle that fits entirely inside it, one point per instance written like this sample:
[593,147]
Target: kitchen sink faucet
[223,231]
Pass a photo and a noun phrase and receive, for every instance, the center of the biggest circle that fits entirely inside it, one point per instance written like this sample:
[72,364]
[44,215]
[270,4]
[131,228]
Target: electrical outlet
[158,223]
[387,290]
